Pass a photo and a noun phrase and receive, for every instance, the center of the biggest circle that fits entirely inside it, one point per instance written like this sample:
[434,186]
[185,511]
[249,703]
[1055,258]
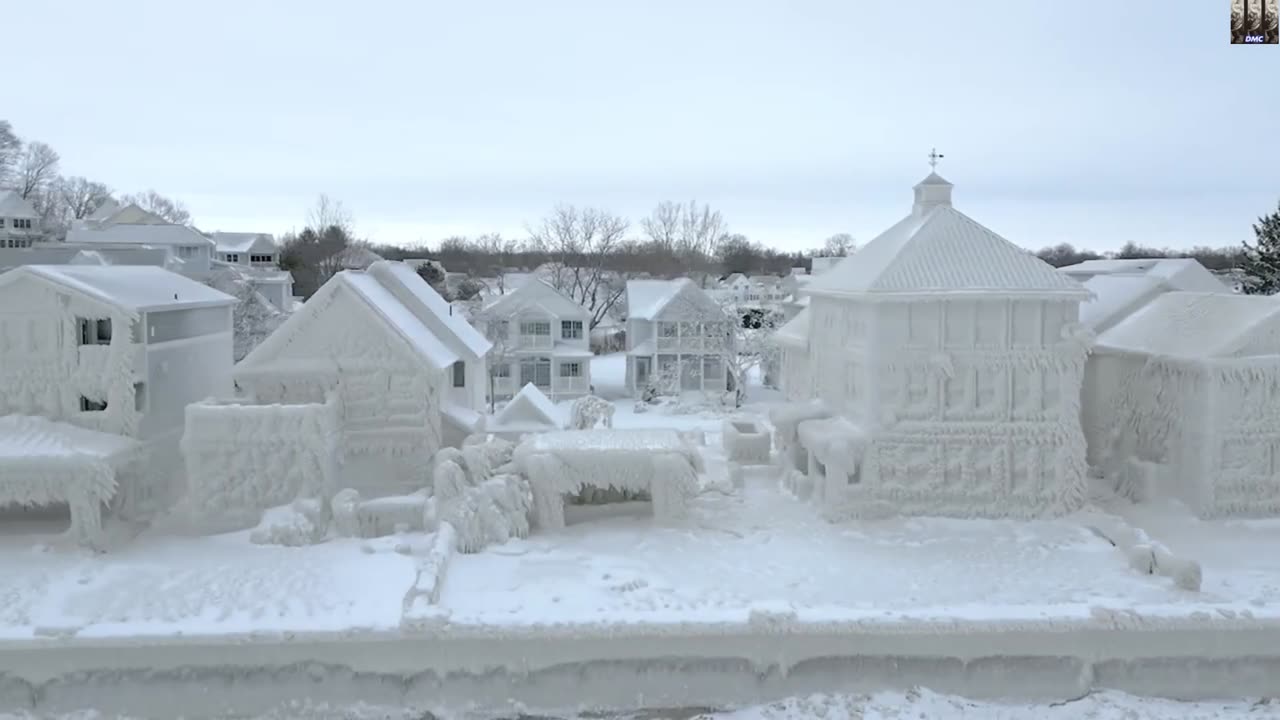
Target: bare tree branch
[171,210]
[37,169]
[10,152]
[580,243]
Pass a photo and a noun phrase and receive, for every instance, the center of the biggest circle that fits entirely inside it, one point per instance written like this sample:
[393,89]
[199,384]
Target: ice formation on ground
[243,458]
[590,411]
[658,462]
[745,441]
[530,411]
[481,508]
[46,463]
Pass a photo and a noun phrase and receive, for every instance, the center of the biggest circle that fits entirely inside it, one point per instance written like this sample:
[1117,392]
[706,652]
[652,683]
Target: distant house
[245,248]
[192,250]
[111,213]
[677,337]
[409,374]
[19,222]
[544,342]
[1182,399]
[117,350]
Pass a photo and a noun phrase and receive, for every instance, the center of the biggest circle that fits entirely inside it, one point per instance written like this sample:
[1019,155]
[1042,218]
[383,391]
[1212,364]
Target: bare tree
[838,245]
[170,210]
[689,233]
[749,344]
[580,243]
[328,213]
[81,197]
[10,151]
[37,169]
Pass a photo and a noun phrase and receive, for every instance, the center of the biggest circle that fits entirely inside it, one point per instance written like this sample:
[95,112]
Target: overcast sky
[1088,122]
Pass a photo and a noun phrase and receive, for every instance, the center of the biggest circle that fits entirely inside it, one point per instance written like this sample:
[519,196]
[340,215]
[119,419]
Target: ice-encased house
[1121,287]
[543,337]
[408,375]
[677,335]
[1182,399]
[116,350]
[952,362]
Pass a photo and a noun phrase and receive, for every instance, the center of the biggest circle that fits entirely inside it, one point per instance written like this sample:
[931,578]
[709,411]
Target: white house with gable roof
[408,374]
[542,335]
[192,250]
[677,335]
[119,351]
[950,361]
[19,221]
[247,248]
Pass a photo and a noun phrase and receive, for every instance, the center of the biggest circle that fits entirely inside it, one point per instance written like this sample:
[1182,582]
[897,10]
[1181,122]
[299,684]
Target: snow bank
[745,441]
[243,458]
[1145,555]
[658,462]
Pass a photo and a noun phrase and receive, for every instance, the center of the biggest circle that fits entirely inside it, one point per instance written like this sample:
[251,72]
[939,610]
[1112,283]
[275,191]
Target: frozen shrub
[589,411]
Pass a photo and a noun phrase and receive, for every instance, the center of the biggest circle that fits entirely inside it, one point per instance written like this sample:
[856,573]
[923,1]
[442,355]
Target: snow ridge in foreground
[909,705]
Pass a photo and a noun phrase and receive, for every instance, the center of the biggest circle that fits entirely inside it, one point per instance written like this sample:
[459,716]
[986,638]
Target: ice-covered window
[535,327]
[668,329]
[459,374]
[87,405]
[536,370]
[571,329]
[140,397]
[570,369]
[94,332]
[712,367]
[502,370]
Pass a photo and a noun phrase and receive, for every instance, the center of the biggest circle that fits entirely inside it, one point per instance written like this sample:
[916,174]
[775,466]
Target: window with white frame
[186,252]
[233,257]
[459,374]
[535,327]
[1,223]
[22,223]
[261,258]
[500,328]
[502,370]
[668,329]
[571,369]
[571,329]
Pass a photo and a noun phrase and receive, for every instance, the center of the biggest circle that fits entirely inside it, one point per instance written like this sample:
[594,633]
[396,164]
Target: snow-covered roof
[938,249]
[405,322]
[529,411]
[13,205]
[646,299]
[432,309]
[37,439]
[605,440]
[1115,296]
[139,234]
[1178,273]
[795,331]
[104,211]
[1192,325]
[540,293]
[133,288]
[243,242]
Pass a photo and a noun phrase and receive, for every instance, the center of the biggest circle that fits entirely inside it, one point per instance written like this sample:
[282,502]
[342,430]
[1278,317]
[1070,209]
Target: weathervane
[934,157]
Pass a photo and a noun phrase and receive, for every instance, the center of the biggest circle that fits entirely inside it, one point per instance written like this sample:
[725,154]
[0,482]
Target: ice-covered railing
[243,457]
[659,462]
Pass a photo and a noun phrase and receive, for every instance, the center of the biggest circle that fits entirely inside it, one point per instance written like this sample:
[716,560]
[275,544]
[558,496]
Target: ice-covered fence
[659,462]
[243,458]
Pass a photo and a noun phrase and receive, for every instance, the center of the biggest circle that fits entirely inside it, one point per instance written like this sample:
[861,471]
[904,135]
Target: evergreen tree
[1261,263]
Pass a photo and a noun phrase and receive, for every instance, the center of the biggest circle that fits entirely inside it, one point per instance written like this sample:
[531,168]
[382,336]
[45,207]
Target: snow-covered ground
[157,585]
[910,705]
